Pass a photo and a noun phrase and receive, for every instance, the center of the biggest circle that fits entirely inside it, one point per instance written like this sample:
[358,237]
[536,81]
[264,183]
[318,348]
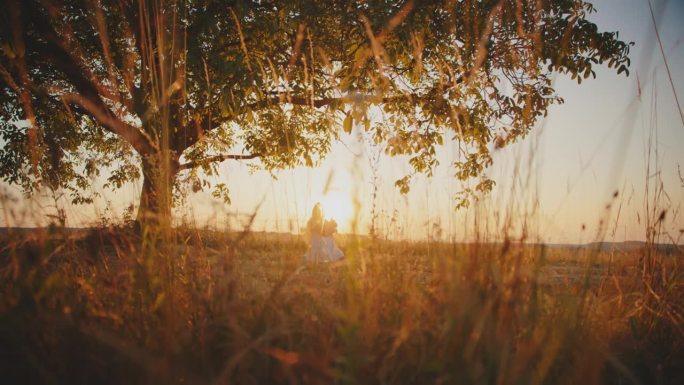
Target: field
[109,306]
[149,124]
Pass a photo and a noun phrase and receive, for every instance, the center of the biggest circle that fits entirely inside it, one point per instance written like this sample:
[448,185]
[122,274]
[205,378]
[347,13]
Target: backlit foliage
[177,86]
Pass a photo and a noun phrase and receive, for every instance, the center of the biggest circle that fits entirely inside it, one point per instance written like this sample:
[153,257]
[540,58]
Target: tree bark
[156,195]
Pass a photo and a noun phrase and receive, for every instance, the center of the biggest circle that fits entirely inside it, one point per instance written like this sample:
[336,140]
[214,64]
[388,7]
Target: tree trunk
[156,195]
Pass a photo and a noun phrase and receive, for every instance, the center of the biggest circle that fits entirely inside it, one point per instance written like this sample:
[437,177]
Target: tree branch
[140,142]
[216,158]
[89,99]
[89,91]
[318,103]
[194,129]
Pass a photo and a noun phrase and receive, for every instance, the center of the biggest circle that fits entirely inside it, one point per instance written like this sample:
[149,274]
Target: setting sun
[338,206]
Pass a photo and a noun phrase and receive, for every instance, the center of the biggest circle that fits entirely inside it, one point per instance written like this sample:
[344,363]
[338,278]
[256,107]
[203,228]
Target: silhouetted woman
[322,245]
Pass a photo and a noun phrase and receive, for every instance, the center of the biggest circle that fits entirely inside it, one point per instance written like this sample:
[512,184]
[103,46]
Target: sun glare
[338,206]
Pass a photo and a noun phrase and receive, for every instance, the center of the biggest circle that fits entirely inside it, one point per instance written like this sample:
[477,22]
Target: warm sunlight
[313,191]
[337,205]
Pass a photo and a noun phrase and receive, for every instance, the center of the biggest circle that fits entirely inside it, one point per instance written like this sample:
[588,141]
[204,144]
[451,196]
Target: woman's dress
[323,249]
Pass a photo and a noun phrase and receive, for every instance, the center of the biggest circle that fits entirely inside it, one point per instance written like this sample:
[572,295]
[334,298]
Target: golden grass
[111,307]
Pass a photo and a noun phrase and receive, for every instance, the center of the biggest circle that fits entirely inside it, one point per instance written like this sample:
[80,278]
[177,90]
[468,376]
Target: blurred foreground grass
[109,306]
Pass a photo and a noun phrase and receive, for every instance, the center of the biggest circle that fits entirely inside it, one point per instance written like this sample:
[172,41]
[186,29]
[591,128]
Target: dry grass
[109,306]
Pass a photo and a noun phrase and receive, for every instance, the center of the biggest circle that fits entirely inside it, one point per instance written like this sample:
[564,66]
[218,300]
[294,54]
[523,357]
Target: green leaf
[347,125]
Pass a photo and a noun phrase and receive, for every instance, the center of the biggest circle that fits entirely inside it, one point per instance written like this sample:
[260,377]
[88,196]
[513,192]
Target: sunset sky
[557,180]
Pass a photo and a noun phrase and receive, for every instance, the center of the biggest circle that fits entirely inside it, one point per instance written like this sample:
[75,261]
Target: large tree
[164,88]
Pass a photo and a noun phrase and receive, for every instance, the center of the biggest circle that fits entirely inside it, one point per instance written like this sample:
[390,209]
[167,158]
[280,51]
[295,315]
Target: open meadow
[372,192]
[108,306]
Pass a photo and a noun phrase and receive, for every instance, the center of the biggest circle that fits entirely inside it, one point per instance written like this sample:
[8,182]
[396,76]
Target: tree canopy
[163,89]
